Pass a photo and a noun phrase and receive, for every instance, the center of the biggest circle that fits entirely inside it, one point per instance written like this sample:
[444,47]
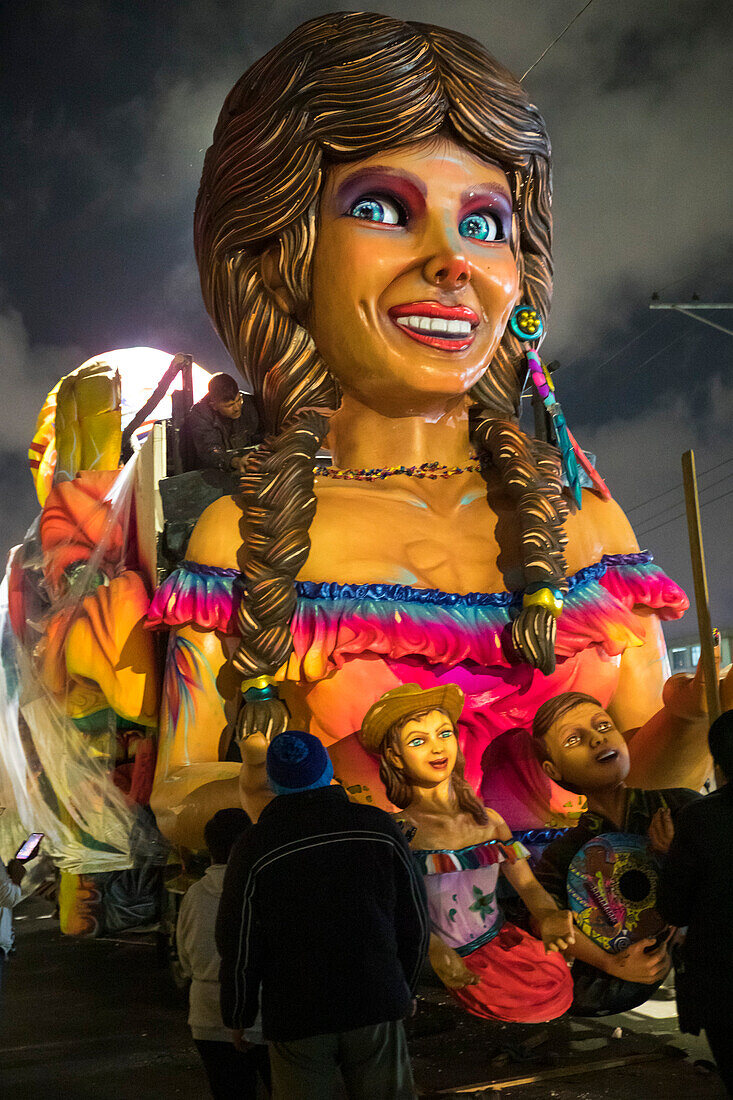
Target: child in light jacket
[231,1071]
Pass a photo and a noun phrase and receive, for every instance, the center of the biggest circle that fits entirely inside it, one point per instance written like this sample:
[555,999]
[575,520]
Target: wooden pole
[699,575]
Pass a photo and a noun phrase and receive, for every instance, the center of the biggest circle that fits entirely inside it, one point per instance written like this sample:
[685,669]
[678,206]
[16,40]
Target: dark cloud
[639,455]
[108,109]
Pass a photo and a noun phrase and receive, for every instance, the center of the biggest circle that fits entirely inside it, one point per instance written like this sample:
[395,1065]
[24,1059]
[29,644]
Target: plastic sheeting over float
[71,611]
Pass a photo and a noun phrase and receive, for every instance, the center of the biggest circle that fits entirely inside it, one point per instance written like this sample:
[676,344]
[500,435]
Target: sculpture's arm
[667,736]
[449,966]
[191,783]
[668,749]
[254,790]
[200,696]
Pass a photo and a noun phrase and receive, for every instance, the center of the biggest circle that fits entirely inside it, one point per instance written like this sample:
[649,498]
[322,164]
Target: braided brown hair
[340,88]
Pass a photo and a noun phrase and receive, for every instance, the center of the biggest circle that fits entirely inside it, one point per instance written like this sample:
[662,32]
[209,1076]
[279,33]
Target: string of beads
[431,470]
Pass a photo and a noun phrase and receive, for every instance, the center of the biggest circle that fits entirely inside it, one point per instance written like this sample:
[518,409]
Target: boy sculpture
[581,749]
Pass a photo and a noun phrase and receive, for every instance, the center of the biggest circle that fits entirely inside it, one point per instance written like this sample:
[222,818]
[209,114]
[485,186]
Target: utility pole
[690,309]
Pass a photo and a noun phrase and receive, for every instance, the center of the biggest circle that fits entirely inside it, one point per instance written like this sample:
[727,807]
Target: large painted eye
[445,733]
[416,742]
[382,210]
[482,226]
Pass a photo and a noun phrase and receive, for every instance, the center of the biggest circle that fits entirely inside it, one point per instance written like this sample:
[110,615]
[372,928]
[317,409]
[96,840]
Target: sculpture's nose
[447,270]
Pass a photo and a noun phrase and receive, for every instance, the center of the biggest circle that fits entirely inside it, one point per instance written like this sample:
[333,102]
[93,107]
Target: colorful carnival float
[374,239]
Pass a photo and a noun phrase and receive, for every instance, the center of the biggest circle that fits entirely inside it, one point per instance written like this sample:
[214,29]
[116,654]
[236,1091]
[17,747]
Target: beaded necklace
[432,470]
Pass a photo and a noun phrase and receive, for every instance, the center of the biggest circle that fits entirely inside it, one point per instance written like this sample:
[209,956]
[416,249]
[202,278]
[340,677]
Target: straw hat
[403,701]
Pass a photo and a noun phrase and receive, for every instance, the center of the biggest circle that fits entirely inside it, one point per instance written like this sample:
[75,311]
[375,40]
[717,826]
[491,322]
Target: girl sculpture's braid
[341,88]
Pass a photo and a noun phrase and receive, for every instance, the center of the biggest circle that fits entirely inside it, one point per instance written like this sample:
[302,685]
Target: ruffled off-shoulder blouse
[426,636]
[461,888]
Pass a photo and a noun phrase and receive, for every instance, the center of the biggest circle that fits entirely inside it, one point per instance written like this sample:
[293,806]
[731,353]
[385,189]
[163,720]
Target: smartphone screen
[29,848]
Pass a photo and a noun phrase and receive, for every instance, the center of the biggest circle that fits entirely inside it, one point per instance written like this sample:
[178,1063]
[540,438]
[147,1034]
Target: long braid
[277,487]
[534,484]
[529,469]
[340,88]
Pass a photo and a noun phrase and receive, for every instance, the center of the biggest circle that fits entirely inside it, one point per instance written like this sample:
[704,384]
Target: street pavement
[91,1019]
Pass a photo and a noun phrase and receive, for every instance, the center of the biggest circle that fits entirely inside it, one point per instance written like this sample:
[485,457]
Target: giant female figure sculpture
[373,208]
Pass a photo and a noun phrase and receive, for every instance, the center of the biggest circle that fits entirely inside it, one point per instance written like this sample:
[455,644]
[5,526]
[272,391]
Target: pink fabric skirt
[519,983]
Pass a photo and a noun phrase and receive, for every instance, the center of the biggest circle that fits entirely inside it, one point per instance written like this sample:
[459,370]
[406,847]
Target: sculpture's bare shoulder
[217,538]
[600,528]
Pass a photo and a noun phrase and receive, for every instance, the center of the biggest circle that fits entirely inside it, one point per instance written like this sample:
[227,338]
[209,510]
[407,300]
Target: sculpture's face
[428,749]
[414,276]
[588,752]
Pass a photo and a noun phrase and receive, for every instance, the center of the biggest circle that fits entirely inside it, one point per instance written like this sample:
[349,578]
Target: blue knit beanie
[297,761]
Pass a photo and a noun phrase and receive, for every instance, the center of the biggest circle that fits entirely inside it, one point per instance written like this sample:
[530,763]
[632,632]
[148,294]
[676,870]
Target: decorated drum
[612,890]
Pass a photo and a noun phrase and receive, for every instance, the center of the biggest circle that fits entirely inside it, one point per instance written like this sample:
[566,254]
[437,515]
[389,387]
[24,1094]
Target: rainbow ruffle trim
[333,622]
[443,861]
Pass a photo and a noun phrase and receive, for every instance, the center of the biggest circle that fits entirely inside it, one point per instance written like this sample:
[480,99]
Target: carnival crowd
[316,922]
[305,938]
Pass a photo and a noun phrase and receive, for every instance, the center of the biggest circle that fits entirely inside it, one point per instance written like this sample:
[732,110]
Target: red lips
[449,328]
[439,764]
[435,309]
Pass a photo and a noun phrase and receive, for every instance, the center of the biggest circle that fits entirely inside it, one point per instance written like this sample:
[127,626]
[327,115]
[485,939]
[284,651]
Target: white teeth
[438,326]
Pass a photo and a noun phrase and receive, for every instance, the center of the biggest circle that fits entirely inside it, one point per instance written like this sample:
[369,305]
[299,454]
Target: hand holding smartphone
[29,848]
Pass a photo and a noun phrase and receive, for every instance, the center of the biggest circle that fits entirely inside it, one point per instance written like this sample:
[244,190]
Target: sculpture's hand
[684,695]
[661,831]
[449,966]
[254,791]
[638,964]
[557,930]
[254,750]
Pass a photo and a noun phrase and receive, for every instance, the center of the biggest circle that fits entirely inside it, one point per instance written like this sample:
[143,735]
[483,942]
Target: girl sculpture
[373,208]
[493,968]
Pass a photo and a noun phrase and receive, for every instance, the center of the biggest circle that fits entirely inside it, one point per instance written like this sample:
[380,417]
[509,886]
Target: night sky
[107,109]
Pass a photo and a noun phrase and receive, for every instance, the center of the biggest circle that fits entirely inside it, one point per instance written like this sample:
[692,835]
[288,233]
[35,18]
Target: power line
[661,351]
[707,270]
[595,369]
[718,481]
[658,496]
[555,40]
[676,503]
[673,519]
[655,515]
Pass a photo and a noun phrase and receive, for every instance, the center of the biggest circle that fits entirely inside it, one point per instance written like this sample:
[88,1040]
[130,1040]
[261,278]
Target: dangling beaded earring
[526,324]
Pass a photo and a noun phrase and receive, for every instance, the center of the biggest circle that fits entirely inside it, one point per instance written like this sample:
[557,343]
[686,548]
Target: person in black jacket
[323,915]
[223,421]
[696,890]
